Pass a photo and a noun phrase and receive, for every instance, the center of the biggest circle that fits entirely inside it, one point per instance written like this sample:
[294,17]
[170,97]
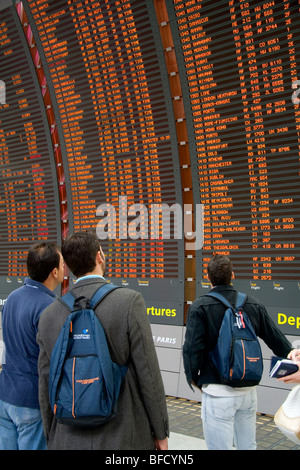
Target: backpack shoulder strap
[101,293]
[239,301]
[241,298]
[68,299]
[220,297]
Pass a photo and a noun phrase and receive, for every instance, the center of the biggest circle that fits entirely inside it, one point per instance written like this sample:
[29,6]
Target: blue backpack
[84,383]
[237,356]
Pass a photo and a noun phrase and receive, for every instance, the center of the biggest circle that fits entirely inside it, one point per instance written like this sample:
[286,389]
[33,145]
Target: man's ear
[99,258]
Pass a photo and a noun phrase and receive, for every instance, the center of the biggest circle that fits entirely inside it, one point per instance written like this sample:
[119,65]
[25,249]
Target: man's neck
[95,272]
[51,284]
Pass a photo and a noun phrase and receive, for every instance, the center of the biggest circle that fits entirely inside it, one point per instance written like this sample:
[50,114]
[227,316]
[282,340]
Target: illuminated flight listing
[241,61]
[114,123]
[27,200]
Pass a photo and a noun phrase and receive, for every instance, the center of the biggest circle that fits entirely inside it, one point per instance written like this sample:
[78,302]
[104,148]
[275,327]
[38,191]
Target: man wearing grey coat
[141,422]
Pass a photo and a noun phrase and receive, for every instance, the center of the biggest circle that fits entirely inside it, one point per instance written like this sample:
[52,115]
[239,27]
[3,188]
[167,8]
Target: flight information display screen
[154,104]
[114,124]
[240,62]
[240,66]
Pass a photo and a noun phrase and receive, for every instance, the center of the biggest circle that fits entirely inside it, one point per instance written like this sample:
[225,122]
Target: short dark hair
[79,251]
[42,258]
[219,270]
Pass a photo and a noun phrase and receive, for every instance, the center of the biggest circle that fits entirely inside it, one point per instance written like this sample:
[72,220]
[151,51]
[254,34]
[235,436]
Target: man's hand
[294,355]
[161,444]
[293,378]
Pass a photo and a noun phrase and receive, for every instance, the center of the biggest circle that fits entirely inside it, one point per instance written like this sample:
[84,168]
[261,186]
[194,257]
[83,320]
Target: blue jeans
[20,428]
[229,419]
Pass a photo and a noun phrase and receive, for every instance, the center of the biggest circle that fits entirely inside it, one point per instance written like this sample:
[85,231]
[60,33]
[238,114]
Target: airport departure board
[120,116]
[114,125]
[241,60]
[241,75]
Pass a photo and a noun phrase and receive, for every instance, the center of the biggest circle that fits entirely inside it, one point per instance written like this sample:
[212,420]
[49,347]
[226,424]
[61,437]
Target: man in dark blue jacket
[20,418]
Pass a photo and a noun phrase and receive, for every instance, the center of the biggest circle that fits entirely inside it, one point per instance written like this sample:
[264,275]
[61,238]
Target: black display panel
[106,74]
[28,188]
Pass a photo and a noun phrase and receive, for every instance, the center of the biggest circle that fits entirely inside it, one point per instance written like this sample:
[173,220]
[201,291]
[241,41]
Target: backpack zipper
[244,362]
[244,357]
[73,388]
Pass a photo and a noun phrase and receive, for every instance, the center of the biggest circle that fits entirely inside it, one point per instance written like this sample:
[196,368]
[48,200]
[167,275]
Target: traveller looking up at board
[20,417]
[228,413]
[141,420]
